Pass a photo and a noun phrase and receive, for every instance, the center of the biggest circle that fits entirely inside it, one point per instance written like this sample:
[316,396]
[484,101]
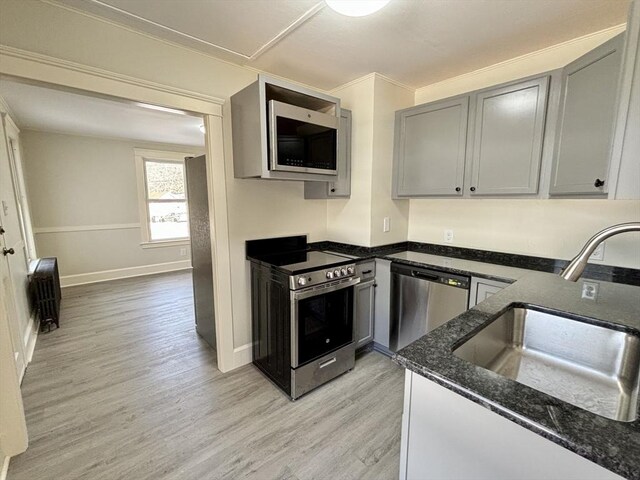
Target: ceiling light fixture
[356,8]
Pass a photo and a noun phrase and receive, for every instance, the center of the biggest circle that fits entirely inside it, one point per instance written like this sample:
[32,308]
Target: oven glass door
[324,323]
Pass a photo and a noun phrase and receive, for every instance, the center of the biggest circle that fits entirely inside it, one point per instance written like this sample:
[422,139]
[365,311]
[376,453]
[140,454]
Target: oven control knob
[350,270]
[343,271]
[329,275]
[302,281]
[336,272]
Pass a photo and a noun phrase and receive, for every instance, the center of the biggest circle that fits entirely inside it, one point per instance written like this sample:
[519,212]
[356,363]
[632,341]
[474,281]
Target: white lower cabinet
[446,436]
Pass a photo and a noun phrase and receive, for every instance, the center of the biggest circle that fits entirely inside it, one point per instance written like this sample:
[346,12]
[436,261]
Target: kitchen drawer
[366,270]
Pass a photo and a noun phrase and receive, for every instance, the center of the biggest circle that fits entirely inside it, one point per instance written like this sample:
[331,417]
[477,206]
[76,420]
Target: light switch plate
[386,224]
[448,236]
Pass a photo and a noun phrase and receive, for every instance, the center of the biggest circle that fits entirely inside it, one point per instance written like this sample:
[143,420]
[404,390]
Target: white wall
[548,228]
[86,182]
[373,100]
[349,220]
[388,98]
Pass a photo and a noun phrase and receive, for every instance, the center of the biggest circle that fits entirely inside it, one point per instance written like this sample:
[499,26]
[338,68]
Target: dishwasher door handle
[424,276]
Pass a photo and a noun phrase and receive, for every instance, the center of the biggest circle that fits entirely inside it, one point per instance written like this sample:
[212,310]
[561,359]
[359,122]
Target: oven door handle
[315,291]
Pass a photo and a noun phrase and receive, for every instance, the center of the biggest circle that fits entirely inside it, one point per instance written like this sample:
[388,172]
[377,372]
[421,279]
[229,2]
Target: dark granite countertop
[500,266]
[612,444]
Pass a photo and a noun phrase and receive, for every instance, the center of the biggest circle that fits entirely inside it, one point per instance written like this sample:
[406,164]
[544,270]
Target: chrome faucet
[574,269]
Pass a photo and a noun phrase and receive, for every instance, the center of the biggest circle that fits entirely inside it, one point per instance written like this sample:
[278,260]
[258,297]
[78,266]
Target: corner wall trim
[106,275]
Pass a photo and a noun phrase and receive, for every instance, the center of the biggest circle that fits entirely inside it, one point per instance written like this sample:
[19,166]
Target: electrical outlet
[448,236]
[598,253]
[590,290]
[183,252]
[386,224]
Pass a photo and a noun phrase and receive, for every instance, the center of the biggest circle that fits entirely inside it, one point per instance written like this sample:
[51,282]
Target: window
[162,196]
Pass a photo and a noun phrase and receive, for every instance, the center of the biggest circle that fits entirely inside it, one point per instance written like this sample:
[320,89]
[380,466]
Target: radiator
[45,292]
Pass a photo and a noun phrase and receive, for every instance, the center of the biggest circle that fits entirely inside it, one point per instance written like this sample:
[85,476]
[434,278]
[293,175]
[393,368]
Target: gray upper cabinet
[508,134]
[342,187]
[430,148]
[585,125]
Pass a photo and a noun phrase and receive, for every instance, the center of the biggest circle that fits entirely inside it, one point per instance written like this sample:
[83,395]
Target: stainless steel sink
[589,366]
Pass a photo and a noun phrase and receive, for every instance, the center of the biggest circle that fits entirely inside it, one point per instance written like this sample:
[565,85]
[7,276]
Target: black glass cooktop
[304,261]
[291,255]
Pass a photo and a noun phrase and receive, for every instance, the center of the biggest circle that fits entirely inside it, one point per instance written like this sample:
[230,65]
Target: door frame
[33,67]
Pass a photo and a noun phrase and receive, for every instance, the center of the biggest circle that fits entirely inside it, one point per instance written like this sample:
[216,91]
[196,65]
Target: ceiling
[415,42]
[41,108]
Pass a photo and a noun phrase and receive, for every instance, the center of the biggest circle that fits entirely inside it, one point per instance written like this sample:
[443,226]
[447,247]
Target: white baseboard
[5,468]
[242,355]
[106,275]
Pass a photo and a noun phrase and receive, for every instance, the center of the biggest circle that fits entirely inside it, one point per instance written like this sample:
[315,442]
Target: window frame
[158,156]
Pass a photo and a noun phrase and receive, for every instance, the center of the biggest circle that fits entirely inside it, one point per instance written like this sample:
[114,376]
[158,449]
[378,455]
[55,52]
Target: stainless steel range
[303,313]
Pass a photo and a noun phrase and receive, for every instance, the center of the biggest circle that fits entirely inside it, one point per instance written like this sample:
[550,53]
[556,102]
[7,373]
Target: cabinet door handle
[473,189]
[458,189]
[8,251]
[598,183]
[367,271]
[333,190]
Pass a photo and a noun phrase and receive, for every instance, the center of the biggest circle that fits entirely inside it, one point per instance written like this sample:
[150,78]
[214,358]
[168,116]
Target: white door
[12,421]
[13,273]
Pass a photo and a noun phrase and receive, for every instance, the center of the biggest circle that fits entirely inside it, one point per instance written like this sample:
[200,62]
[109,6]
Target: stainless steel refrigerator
[201,261]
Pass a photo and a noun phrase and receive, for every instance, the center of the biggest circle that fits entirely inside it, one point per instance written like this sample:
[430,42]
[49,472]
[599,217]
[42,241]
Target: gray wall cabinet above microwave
[429,150]
[585,128]
[340,188]
[250,125]
[487,142]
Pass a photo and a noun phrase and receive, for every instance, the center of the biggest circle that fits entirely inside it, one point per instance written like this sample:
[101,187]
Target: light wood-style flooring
[125,389]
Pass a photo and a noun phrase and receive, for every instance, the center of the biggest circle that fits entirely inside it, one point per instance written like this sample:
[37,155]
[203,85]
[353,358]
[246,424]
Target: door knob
[8,251]
[598,183]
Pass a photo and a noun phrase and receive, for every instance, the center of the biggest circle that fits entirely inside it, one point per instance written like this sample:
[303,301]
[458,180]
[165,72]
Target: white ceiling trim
[290,29]
[264,48]
[169,29]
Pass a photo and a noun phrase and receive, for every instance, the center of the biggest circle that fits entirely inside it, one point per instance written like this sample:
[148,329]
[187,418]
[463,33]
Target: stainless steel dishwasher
[421,300]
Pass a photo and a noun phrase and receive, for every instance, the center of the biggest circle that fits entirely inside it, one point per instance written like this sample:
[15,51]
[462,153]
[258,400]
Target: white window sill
[165,243]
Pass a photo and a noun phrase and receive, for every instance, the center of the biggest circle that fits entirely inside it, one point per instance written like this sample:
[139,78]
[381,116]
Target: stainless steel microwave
[302,140]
